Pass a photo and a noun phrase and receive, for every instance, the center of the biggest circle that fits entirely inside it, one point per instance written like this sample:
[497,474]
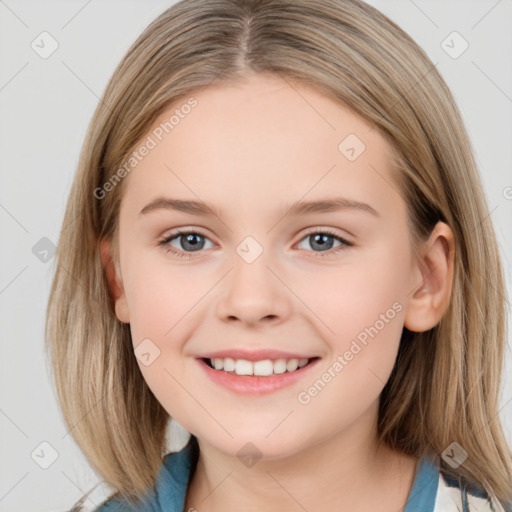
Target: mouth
[255,378]
[263,368]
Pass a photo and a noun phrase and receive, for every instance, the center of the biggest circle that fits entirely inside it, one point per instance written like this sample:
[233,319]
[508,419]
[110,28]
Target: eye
[193,241]
[188,241]
[321,239]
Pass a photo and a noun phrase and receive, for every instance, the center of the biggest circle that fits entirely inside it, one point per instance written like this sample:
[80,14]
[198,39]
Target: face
[260,275]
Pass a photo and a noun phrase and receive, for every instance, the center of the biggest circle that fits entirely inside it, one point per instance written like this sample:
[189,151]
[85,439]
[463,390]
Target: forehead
[263,141]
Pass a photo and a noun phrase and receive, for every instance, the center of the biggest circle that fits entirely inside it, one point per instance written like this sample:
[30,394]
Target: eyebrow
[295,209]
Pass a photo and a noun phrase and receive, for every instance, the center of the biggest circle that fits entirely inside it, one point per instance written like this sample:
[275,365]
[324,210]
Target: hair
[445,384]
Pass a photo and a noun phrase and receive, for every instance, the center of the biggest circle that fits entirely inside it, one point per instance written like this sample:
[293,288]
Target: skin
[251,149]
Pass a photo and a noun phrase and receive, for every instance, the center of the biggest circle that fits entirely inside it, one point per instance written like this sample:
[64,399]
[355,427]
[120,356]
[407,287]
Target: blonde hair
[446,383]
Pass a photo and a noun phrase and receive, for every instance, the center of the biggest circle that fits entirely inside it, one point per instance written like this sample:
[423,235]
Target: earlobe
[115,284]
[434,278]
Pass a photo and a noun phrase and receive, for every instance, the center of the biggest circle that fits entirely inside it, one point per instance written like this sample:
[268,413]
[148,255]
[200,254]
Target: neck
[347,471]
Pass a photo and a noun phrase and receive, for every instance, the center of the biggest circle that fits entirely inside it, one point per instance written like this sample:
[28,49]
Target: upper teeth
[260,368]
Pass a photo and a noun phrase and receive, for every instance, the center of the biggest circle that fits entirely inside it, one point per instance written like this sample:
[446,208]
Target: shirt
[431,491]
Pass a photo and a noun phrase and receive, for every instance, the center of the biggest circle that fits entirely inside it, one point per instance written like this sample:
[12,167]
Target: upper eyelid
[309,231]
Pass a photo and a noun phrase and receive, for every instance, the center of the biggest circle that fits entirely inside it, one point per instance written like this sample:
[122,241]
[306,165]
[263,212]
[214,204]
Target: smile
[261,368]
[256,377]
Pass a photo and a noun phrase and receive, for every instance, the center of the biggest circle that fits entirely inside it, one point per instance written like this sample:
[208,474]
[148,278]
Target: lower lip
[255,385]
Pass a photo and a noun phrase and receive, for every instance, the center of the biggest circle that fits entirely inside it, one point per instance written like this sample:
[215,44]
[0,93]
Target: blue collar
[172,485]
[423,493]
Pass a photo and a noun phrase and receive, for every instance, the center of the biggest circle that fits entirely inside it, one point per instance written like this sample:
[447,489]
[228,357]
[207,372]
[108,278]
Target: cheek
[161,296]
[163,304]
[357,294]
[362,307]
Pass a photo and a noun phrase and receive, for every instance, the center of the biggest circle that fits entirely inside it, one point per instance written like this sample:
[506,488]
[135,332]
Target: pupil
[322,245]
[191,239]
[319,239]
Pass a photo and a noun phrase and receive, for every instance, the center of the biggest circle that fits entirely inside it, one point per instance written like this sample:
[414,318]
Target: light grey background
[46,105]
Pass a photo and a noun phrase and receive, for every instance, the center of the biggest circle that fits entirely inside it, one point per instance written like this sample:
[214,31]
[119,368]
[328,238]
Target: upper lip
[254,355]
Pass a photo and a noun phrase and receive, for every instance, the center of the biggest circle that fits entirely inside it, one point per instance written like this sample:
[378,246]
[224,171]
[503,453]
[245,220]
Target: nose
[253,293]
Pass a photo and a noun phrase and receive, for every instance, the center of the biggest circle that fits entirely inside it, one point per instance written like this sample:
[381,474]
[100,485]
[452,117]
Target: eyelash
[322,254]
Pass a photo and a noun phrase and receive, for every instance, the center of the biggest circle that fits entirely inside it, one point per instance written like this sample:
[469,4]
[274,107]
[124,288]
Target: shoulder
[434,490]
[116,504]
[453,495]
[171,487]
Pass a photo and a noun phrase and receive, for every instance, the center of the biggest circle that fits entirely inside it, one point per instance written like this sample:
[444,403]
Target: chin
[256,446]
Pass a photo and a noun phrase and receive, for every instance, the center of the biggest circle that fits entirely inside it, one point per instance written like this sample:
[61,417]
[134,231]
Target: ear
[433,278]
[115,283]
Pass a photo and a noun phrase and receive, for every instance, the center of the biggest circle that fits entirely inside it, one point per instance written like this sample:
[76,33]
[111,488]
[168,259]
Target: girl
[278,237]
